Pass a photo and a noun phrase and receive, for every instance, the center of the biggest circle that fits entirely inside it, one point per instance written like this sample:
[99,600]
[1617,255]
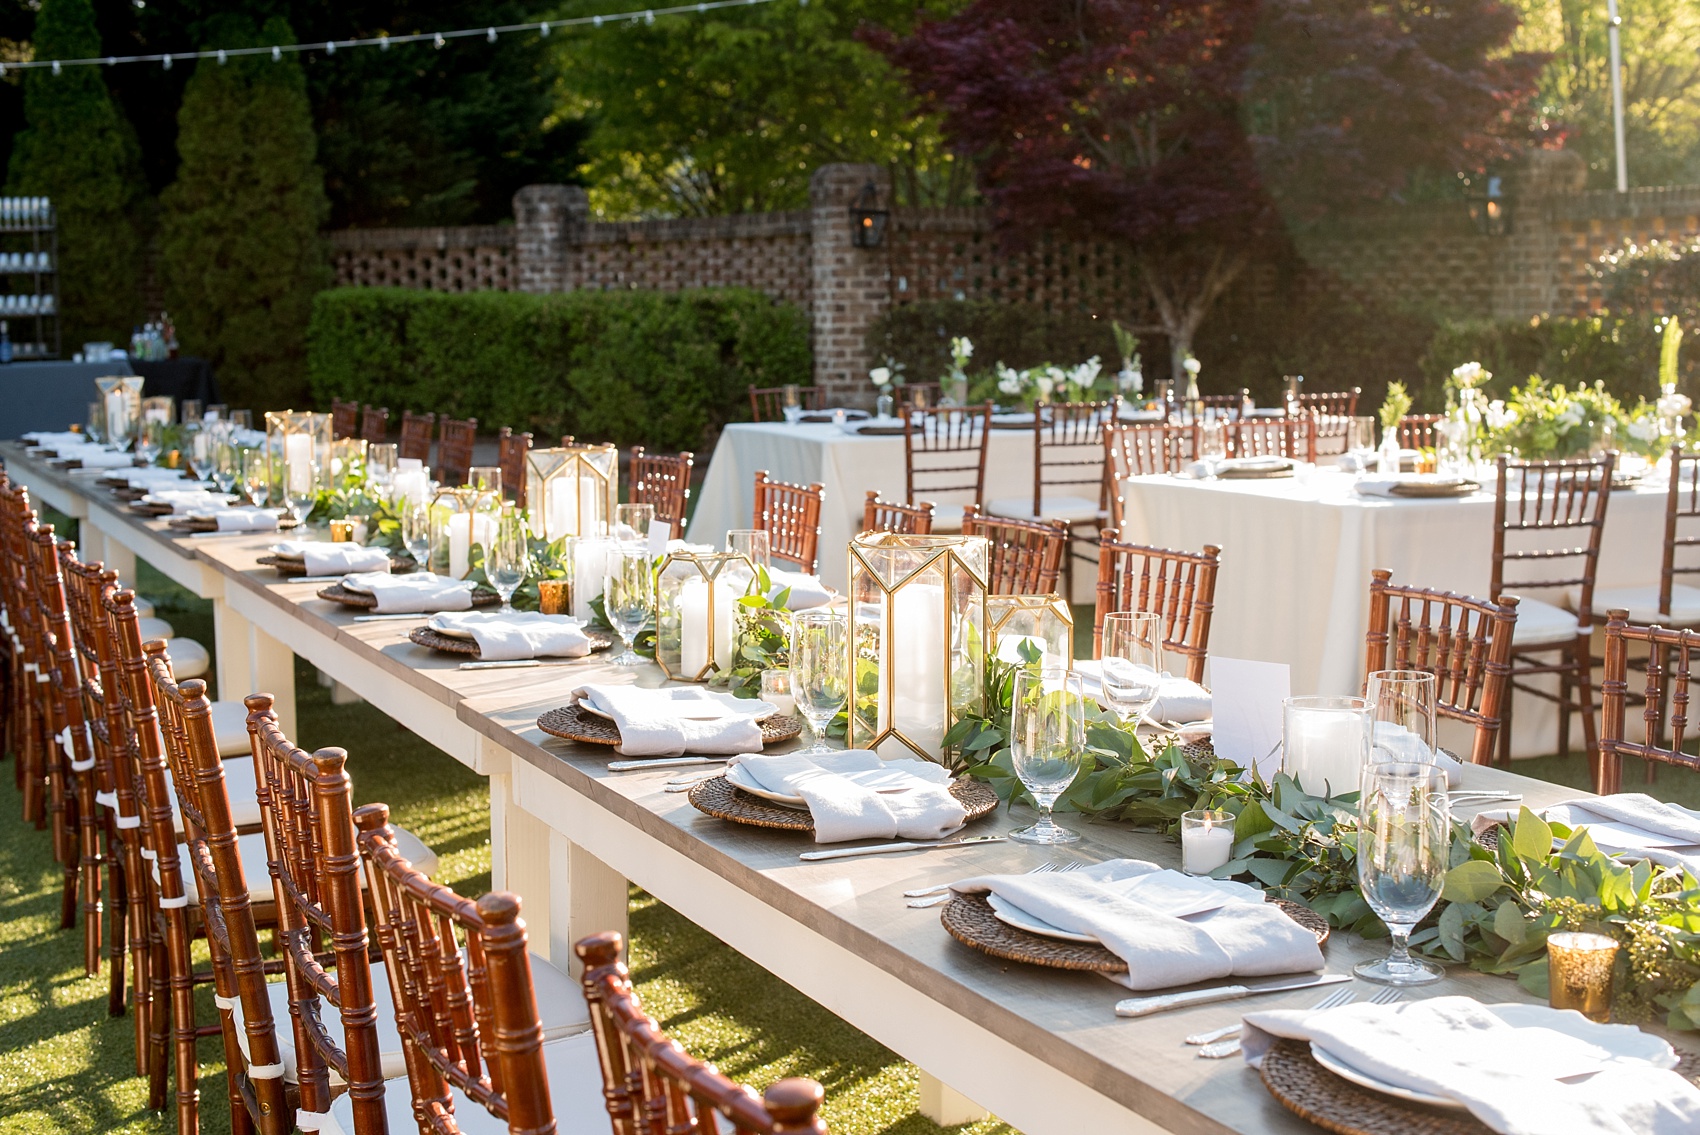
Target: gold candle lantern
[917,652]
[696,600]
[572,490]
[342,531]
[121,398]
[457,526]
[1579,973]
[1042,620]
[161,409]
[299,445]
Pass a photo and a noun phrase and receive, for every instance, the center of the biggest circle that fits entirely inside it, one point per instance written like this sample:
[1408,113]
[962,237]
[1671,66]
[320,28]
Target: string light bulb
[56,66]
[166,63]
[543,28]
[222,57]
[277,53]
[330,47]
[439,43]
[490,34]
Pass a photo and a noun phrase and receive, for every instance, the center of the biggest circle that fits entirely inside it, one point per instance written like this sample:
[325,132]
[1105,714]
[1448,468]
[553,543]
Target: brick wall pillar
[1526,268]
[851,286]
[549,220]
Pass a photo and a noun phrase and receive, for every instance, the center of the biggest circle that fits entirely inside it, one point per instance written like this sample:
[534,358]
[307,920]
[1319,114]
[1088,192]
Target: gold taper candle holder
[1579,969]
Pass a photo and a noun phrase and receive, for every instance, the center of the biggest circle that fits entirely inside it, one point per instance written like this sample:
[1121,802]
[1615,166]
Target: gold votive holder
[1579,968]
[342,531]
[554,596]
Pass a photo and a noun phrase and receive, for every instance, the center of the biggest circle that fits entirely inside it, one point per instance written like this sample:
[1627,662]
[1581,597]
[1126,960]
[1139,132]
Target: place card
[1246,702]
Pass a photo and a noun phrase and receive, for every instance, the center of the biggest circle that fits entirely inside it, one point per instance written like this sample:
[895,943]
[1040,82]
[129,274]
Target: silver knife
[515,664]
[883,848]
[1145,1006]
[663,762]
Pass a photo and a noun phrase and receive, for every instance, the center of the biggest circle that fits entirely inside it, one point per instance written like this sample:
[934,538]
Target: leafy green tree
[731,112]
[239,238]
[80,151]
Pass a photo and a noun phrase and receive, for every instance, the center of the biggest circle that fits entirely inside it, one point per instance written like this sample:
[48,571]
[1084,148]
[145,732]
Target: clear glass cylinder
[1325,742]
[696,605]
[918,640]
[122,397]
[572,490]
[301,450]
[1043,621]
[161,409]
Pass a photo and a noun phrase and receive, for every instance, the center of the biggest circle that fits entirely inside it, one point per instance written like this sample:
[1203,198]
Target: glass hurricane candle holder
[301,449]
[1043,621]
[160,408]
[459,523]
[572,490]
[917,647]
[1207,840]
[121,395]
[1325,742]
[696,601]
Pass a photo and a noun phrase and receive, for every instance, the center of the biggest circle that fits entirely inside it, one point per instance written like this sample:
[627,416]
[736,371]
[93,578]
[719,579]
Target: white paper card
[660,532]
[1246,699]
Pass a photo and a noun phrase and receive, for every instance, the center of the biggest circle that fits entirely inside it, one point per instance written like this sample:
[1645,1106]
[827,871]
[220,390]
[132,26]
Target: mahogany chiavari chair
[767,403]
[662,481]
[455,437]
[511,449]
[1551,499]
[652,1084]
[1144,449]
[415,440]
[1230,406]
[1179,586]
[1291,436]
[1070,478]
[1465,643]
[568,441]
[1328,403]
[1026,555]
[28,730]
[345,418]
[944,456]
[1669,604]
[374,424]
[1420,431]
[790,515]
[890,516]
[1664,694]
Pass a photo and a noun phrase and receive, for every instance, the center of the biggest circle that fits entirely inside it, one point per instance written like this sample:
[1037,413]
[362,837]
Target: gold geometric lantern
[121,395]
[572,491]
[696,602]
[1041,620]
[299,447]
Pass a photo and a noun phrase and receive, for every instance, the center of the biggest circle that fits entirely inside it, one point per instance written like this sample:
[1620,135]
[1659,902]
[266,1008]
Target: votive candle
[1207,840]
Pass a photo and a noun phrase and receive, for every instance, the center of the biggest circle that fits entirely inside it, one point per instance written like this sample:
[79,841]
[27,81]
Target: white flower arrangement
[1499,415]
[881,377]
[1645,430]
[1010,381]
[1673,405]
[1192,366]
[961,350]
[1468,376]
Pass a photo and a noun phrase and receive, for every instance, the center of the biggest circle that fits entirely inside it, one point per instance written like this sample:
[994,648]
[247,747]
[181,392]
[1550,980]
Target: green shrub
[1622,352]
[663,369]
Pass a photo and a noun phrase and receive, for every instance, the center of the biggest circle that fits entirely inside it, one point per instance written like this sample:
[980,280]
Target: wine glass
[1403,704]
[505,554]
[628,596]
[416,531]
[1047,744]
[96,427]
[1131,667]
[300,487]
[226,463]
[485,478]
[791,403]
[819,658]
[752,543]
[1403,830]
[150,440]
[632,521]
[256,475]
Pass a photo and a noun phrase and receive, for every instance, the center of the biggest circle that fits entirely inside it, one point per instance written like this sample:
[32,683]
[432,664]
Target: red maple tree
[1195,130]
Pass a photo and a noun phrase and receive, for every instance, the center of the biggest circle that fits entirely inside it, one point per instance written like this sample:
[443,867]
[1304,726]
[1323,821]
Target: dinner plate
[590,707]
[1013,915]
[1624,1041]
[744,782]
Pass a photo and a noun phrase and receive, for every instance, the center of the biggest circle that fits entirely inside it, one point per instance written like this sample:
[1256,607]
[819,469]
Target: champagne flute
[1131,667]
[628,596]
[1403,830]
[226,464]
[1047,744]
[416,531]
[819,682]
[505,554]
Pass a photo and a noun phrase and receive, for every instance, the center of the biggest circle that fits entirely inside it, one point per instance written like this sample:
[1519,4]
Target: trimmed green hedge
[661,369]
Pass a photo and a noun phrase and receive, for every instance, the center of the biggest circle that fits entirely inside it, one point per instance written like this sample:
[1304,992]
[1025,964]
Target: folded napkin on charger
[418,593]
[1178,699]
[676,720]
[46,438]
[1517,1080]
[806,590]
[1388,486]
[186,501]
[154,477]
[1266,464]
[856,795]
[241,519]
[333,558]
[1171,929]
[101,458]
[1629,823]
[506,636]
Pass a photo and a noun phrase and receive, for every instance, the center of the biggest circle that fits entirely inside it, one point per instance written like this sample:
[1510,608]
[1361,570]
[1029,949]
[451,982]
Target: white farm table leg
[117,558]
[591,895]
[271,669]
[946,1106]
[233,650]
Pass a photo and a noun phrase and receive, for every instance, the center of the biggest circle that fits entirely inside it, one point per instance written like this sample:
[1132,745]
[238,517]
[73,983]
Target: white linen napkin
[101,458]
[503,636]
[46,438]
[856,795]
[1629,823]
[243,519]
[1178,699]
[186,501]
[806,590]
[154,478]
[1171,929]
[340,559]
[1516,1080]
[670,722]
[418,593]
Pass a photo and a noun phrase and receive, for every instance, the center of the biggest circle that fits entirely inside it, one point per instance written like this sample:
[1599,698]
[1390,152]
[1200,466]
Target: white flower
[1192,366]
[1499,415]
[1645,430]
[1087,372]
[1046,381]
[1470,374]
[1010,380]
[881,376]
[1136,381]
[1674,405]
[962,347]
[1572,415]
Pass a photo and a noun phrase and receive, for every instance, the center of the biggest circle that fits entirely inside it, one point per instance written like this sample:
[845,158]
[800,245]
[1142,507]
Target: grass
[65,1066]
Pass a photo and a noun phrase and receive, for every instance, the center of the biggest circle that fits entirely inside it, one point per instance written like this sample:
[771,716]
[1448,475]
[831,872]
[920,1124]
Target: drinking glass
[1047,743]
[256,475]
[791,403]
[1132,667]
[485,478]
[505,554]
[96,427]
[1403,830]
[150,439]
[752,542]
[628,596]
[380,466]
[819,682]
[1404,709]
[416,531]
[239,419]
[632,521]
[1213,444]
[226,462]
[299,493]
[1360,436]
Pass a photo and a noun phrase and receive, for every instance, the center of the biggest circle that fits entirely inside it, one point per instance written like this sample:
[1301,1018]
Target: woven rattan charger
[572,723]
[449,644]
[481,597]
[720,799]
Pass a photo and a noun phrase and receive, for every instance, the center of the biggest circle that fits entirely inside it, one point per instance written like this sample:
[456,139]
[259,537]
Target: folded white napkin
[420,592]
[1171,929]
[856,795]
[806,590]
[1255,464]
[186,501]
[243,519]
[1527,1080]
[678,719]
[335,559]
[100,458]
[1629,823]
[1178,699]
[47,438]
[503,636]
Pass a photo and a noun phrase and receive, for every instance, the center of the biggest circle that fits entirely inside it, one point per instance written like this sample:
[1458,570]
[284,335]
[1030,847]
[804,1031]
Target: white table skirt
[1297,556]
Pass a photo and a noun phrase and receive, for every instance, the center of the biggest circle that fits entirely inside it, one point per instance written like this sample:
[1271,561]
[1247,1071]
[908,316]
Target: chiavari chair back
[345,418]
[455,437]
[1420,431]
[416,429]
[374,424]
[1229,406]
[944,460]
[653,1085]
[1144,449]
[790,515]
[767,403]
[1068,455]
[511,449]
[918,395]
[1664,732]
[1328,403]
[890,516]
[1026,555]
[1179,586]
[664,481]
[1669,603]
[28,730]
[1465,643]
[1291,436]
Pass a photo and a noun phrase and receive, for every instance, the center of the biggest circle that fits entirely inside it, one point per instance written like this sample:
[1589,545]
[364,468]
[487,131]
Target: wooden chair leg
[1566,682]
[1503,757]
[1585,691]
[89,864]
[160,1014]
[117,914]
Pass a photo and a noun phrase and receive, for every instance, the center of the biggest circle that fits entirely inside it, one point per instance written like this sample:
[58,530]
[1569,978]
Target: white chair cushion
[189,659]
[1540,623]
[239,783]
[1642,603]
[1075,510]
[251,849]
[575,1092]
[152,628]
[560,1002]
[144,608]
[947,518]
[230,729]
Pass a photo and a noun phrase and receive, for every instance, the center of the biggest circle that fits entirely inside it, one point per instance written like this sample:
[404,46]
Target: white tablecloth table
[1297,555]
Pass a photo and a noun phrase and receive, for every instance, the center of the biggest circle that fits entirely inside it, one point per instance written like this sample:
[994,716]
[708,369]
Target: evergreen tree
[78,150]
[239,238]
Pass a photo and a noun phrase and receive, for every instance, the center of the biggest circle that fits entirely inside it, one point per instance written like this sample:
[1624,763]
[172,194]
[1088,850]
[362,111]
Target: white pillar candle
[460,544]
[590,565]
[1009,648]
[117,416]
[1328,750]
[590,518]
[694,627]
[912,679]
[298,462]
[1206,847]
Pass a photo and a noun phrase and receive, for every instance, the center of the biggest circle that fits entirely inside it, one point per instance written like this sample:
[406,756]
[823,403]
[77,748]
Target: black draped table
[178,378]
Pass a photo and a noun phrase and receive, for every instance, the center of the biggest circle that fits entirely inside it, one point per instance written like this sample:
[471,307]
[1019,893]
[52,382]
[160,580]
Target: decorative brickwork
[768,252]
[471,259]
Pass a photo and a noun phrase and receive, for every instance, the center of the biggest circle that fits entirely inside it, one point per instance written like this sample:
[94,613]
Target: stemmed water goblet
[150,440]
[791,403]
[416,530]
[1047,744]
[505,554]
[628,596]
[256,475]
[1131,668]
[1403,830]
[819,682]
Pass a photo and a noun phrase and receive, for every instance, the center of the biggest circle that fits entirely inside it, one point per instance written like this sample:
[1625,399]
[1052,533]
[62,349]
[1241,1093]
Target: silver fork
[933,896]
[1230,1047]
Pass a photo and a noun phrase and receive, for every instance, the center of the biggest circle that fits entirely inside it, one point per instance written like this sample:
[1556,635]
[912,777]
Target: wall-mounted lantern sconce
[867,220]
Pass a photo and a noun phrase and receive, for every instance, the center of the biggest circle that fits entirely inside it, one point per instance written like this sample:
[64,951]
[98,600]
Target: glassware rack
[29,264]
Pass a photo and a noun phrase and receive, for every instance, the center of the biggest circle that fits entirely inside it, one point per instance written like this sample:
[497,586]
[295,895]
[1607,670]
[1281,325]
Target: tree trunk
[1184,286]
